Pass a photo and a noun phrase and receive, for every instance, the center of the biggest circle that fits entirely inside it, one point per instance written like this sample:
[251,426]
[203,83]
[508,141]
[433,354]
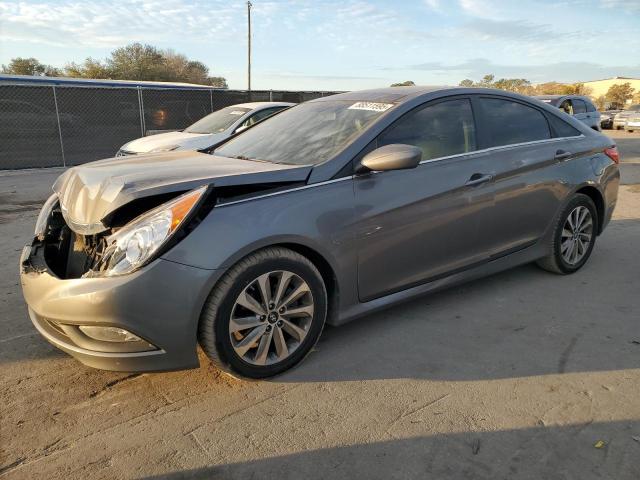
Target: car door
[580,110]
[518,144]
[420,224]
[593,115]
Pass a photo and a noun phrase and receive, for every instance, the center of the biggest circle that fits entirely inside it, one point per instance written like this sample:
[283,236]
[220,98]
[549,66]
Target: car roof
[549,97]
[255,105]
[387,94]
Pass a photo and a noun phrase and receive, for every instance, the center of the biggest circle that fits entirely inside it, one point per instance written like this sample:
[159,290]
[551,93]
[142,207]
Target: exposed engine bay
[71,254]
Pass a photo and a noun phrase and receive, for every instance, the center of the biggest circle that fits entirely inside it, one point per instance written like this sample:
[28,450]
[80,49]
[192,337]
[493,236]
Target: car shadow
[558,452]
[517,323]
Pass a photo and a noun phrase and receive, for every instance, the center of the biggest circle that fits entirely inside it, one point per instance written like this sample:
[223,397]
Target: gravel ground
[520,375]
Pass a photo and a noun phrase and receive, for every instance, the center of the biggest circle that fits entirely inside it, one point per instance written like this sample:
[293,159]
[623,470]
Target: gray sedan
[331,210]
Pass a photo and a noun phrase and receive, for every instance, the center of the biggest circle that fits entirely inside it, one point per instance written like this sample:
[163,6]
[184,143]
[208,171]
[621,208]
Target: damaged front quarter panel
[90,193]
[94,201]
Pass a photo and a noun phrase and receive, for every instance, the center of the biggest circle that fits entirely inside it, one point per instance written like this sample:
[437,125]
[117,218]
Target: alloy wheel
[271,318]
[577,234]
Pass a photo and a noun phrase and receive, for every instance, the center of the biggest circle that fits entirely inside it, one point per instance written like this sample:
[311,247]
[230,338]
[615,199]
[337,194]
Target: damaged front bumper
[160,304]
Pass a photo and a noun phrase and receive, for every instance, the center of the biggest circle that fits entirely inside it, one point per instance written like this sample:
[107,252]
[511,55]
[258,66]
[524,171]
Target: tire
[556,261]
[224,313]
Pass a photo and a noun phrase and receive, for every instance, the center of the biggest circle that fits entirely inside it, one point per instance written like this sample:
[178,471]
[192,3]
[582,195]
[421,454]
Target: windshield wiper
[243,157]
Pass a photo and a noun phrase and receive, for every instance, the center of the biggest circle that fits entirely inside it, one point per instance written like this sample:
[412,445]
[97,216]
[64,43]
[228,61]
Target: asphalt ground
[522,375]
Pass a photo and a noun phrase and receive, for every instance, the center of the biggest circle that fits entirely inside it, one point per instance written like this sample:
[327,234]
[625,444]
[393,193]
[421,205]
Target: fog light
[109,334]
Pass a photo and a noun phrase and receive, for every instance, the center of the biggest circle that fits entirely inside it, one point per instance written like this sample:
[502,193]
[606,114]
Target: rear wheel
[265,314]
[573,238]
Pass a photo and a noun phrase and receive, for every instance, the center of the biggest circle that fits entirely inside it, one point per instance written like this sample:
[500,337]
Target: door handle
[478,178]
[562,155]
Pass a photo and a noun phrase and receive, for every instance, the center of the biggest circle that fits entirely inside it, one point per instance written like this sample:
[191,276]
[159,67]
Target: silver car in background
[578,106]
[620,120]
[207,131]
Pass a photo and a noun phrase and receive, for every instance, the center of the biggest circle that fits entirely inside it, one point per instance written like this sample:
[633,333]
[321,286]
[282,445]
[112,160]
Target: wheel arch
[314,254]
[596,196]
[326,271]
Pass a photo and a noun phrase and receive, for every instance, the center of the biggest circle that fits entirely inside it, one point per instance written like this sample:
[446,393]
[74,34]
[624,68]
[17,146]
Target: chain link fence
[53,125]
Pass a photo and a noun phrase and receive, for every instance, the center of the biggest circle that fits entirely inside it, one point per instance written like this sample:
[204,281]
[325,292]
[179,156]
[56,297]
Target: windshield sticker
[237,112]
[371,106]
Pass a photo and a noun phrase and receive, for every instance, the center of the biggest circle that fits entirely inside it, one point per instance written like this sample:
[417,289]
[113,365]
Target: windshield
[307,134]
[217,121]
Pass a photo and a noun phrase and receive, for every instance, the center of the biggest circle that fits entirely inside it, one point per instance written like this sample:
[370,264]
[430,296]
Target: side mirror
[396,156]
[241,128]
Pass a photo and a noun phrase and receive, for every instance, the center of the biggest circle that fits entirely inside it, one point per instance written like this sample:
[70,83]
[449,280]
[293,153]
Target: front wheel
[574,237]
[265,315]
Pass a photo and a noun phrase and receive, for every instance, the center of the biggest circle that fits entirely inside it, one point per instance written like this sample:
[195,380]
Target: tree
[486,82]
[579,89]
[89,69]
[136,62]
[636,97]
[408,83]
[619,94]
[601,103]
[146,62]
[218,82]
[29,66]
[518,85]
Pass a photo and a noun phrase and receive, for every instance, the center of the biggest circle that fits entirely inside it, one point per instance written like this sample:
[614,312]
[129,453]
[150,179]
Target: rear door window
[566,107]
[562,128]
[439,130]
[579,106]
[590,106]
[506,122]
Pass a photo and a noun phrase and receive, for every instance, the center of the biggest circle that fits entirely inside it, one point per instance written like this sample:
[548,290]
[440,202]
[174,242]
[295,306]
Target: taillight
[612,153]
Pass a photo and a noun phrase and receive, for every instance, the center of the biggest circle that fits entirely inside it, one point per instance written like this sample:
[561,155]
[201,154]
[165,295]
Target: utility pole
[249,5]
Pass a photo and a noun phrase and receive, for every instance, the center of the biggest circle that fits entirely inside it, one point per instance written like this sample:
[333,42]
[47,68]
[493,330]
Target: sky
[345,44]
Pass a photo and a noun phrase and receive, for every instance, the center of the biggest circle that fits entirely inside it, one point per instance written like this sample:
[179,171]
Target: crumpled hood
[90,192]
[186,141]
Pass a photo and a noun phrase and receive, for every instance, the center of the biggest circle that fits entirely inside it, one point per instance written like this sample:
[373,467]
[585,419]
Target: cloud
[632,6]
[513,30]
[97,24]
[435,5]
[478,8]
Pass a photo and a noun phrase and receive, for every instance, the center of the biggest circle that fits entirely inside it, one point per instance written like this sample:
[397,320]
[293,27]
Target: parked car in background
[620,120]
[577,106]
[207,131]
[606,119]
[330,210]
[633,122]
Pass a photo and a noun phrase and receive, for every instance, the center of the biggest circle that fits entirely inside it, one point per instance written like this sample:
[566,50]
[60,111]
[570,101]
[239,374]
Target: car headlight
[165,148]
[135,243]
[43,216]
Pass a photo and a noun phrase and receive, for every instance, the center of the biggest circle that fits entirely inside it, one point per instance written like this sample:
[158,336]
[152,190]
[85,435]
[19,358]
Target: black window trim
[481,132]
[348,171]
[426,104]
[554,133]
